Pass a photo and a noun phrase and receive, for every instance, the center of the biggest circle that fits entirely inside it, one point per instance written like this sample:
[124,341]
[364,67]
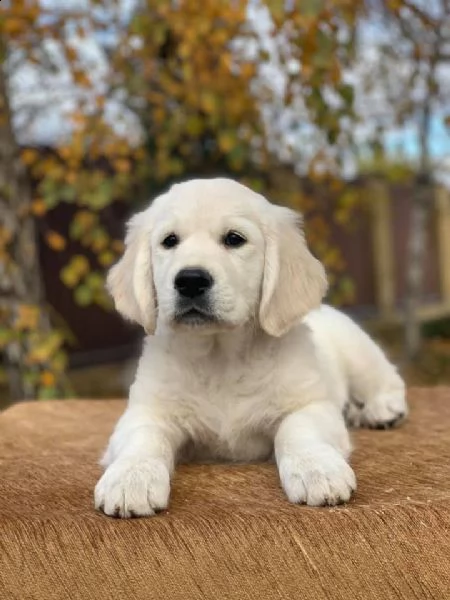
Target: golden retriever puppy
[241,361]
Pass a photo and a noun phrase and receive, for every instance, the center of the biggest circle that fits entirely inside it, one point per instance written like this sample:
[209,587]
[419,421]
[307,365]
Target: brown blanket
[229,532]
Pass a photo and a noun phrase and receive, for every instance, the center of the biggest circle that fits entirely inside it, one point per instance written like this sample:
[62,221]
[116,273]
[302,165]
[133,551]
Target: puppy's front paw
[133,488]
[384,411]
[317,477]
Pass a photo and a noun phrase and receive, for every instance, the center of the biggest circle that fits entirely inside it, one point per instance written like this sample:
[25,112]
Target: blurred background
[339,109]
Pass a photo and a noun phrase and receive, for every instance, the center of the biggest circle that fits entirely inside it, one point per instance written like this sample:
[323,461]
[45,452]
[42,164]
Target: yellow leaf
[71,53]
[227,141]
[86,219]
[29,156]
[44,348]
[122,165]
[55,241]
[194,125]
[71,177]
[47,379]
[14,26]
[81,78]
[38,207]
[27,317]
[106,258]
[208,102]
[80,265]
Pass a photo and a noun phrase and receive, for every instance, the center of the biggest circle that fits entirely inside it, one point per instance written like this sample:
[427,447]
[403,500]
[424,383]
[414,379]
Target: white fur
[272,376]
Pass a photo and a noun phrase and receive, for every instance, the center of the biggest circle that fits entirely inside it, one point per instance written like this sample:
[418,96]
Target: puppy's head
[211,254]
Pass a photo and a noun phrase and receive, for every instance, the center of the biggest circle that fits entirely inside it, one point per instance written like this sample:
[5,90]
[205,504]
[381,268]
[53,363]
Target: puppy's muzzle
[193,283]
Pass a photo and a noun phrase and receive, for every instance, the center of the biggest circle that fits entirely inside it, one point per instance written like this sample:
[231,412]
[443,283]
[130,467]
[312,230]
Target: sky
[41,101]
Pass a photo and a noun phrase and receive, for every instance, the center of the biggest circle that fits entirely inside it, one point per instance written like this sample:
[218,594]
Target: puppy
[241,361]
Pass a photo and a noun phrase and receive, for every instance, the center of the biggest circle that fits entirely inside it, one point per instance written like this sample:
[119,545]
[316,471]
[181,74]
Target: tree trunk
[20,278]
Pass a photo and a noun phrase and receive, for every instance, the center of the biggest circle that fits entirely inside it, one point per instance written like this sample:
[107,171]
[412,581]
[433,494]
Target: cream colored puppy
[241,361]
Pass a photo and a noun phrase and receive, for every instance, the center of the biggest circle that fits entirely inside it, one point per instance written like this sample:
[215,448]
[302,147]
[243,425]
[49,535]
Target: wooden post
[443,240]
[383,250]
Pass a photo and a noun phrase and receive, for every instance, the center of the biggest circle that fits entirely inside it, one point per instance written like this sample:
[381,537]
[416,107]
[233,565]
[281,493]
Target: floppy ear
[130,281]
[294,282]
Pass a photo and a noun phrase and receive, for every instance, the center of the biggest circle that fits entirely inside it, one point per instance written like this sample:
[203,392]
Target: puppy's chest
[230,406]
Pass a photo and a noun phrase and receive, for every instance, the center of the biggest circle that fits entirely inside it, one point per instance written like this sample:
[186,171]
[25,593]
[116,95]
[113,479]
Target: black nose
[192,283]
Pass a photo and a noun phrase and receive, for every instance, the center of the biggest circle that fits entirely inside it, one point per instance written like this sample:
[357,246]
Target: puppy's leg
[140,460]
[311,448]
[377,392]
[375,389]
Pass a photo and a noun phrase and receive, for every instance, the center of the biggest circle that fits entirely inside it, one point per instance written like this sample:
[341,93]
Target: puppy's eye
[170,241]
[233,239]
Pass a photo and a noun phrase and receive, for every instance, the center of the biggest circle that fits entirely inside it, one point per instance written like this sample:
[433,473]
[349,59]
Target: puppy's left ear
[130,281]
[294,282]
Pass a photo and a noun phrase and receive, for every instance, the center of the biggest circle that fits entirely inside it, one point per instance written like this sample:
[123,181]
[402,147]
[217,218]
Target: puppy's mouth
[194,317]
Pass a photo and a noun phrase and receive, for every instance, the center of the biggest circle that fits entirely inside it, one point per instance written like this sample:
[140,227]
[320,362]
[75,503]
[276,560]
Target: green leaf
[77,268]
[103,195]
[6,336]
[325,46]
[31,377]
[43,347]
[49,191]
[69,277]
[106,258]
[59,362]
[311,8]
[194,125]
[83,295]
[68,193]
[48,393]
[347,94]
[95,281]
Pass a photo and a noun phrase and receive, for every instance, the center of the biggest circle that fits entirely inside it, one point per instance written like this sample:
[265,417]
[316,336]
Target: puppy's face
[213,255]
[207,259]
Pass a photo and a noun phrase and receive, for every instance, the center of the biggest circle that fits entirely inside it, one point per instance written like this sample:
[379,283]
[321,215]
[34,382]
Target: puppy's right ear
[294,281]
[130,281]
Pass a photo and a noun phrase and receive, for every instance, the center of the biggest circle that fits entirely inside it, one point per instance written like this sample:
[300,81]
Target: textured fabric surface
[229,532]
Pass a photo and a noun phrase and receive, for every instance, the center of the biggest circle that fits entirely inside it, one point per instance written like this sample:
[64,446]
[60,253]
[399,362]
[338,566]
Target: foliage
[168,100]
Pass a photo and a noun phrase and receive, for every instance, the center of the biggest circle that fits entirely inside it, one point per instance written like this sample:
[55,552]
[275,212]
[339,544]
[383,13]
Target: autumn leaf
[55,241]
[44,347]
[29,156]
[106,258]
[83,222]
[75,270]
[94,281]
[71,54]
[122,165]
[27,317]
[38,207]
[47,379]
[227,141]
[13,26]
[83,295]
[81,78]
[6,337]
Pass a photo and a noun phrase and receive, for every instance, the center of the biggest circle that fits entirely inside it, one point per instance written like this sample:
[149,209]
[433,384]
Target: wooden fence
[390,231]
